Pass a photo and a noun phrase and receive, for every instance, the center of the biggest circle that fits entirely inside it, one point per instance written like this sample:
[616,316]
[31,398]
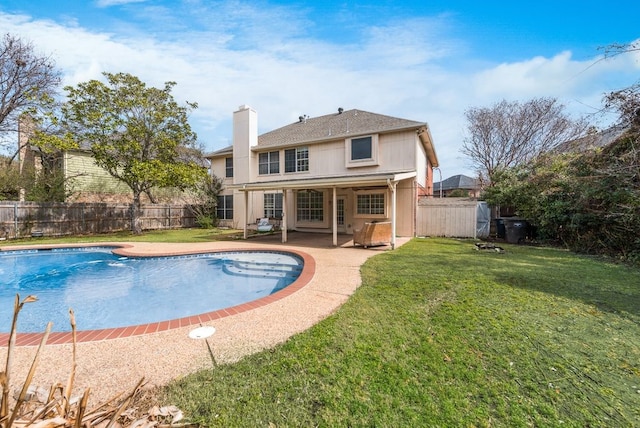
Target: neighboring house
[591,141]
[458,185]
[89,182]
[326,174]
[84,179]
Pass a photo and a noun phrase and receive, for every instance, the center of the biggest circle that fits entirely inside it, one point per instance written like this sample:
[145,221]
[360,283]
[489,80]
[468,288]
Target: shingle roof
[457,182]
[332,126]
[223,151]
[592,141]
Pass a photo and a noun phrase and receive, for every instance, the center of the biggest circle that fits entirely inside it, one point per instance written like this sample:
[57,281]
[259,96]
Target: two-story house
[326,174]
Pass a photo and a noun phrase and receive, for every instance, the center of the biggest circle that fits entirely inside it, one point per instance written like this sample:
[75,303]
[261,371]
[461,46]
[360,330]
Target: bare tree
[626,102]
[28,81]
[512,133]
[616,49]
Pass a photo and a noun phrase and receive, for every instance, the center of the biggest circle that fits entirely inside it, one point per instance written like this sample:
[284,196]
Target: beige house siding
[396,152]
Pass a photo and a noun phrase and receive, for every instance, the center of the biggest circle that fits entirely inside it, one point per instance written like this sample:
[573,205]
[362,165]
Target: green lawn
[442,335]
[170,235]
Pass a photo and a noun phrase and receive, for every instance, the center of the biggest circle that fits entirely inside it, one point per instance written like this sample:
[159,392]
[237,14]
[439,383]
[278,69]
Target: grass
[442,335]
[170,235]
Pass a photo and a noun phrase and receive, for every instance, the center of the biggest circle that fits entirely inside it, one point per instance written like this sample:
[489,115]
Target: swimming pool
[106,290]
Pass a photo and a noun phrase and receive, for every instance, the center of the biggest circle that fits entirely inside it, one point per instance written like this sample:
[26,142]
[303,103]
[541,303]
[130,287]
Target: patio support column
[393,186]
[246,214]
[334,226]
[283,226]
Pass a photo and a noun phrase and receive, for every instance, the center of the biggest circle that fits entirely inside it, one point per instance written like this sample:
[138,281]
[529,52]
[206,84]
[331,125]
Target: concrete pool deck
[111,366]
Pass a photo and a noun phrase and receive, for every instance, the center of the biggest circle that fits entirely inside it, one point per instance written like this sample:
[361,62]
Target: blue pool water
[106,290]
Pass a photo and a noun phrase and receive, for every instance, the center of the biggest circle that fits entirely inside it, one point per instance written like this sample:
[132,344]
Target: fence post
[15,219]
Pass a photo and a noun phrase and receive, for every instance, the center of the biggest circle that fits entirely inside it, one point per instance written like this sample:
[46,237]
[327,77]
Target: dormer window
[361,151]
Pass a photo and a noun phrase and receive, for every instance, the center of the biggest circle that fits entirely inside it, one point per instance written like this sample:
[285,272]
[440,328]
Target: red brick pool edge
[32,339]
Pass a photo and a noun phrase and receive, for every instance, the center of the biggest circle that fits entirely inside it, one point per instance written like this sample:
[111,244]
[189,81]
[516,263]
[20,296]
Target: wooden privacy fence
[23,219]
[453,217]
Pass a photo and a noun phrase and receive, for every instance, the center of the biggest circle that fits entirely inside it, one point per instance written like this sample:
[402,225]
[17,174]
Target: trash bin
[516,230]
[500,232]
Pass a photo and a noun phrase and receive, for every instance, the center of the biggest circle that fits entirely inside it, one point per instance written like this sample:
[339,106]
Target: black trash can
[515,230]
[500,232]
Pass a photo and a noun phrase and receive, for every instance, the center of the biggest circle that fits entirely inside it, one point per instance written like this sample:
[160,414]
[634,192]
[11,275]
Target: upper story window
[296,160]
[269,163]
[228,164]
[361,151]
[361,148]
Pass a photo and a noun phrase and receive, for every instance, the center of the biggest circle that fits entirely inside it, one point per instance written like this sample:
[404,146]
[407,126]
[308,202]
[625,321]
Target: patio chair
[264,225]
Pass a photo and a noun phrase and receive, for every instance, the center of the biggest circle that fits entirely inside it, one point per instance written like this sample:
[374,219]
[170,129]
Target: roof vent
[340,110]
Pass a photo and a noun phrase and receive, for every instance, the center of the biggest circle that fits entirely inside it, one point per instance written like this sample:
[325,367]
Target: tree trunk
[136,221]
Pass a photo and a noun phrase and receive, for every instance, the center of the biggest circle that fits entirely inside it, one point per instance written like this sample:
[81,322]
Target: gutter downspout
[392,187]
[335,217]
[284,226]
[246,211]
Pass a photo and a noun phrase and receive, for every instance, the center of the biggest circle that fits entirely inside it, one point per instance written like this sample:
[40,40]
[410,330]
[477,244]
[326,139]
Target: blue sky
[422,60]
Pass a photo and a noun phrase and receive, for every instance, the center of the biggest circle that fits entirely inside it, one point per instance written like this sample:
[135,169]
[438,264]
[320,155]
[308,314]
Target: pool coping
[56,338]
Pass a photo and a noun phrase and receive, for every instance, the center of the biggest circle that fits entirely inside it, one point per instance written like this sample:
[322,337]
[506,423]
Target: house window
[361,148]
[268,163]
[361,151]
[370,204]
[296,160]
[310,206]
[228,167]
[225,207]
[273,205]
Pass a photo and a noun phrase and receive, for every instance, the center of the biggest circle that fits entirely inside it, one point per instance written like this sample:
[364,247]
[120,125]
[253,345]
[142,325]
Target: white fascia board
[344,181]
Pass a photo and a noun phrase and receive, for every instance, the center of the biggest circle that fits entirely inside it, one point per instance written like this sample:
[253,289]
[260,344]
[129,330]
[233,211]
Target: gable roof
[342,124]
[333,126]
[457,182]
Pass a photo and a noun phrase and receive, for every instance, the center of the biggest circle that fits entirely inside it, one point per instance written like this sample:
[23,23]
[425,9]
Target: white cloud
[264,58]
[109,3]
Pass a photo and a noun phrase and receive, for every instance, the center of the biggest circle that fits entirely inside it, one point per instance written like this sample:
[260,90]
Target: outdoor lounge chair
[264,225]
[373,234]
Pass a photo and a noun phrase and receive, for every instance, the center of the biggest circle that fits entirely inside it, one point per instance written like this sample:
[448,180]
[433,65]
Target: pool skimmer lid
[202,332]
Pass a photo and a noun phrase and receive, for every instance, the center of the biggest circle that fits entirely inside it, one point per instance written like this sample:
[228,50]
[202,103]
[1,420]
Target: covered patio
[333,184]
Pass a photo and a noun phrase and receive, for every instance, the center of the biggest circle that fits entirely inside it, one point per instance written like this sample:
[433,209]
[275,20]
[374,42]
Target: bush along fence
[31,219]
